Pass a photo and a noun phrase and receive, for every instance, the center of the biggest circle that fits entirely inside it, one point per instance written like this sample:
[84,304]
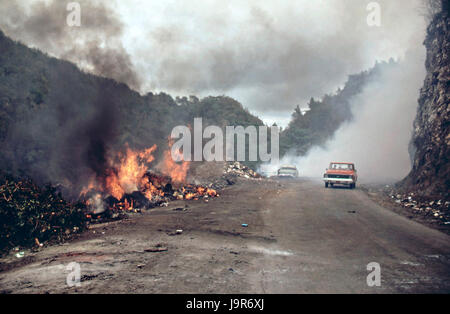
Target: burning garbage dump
[128,184]
[31,215]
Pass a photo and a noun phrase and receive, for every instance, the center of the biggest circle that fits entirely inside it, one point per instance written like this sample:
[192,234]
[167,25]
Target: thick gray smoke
[377,139]
[269,55]
[96,45]
[62,144]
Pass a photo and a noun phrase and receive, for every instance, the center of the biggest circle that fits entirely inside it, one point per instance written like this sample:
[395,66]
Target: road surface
[300,238]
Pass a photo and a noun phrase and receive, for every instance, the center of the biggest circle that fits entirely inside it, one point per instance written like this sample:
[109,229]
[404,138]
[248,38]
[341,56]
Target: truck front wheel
[326,184]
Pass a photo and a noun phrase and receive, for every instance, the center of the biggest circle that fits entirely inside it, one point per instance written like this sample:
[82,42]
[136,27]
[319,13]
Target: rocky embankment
[430,175]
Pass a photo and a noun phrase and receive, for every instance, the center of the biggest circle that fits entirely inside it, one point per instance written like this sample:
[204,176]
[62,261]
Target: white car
[287,171]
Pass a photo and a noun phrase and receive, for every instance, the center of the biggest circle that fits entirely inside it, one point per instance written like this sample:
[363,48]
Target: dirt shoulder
[423,211]
[187,247]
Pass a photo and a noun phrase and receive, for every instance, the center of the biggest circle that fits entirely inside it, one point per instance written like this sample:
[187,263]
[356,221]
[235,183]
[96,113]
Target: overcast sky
[270,55]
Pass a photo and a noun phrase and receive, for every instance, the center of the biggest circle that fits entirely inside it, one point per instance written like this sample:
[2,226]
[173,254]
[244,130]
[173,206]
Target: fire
[189,196]
[212,192]
[177,171]
[132,186]
[128,173]
[124,175]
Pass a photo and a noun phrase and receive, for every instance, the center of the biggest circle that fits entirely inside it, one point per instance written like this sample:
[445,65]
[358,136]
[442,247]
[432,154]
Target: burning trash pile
[437,209]
[30,216]
[237,169]
[128,185]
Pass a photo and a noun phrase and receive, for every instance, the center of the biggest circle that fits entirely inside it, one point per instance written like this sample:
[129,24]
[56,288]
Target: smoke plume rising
[377,138]
[269,55]
[96,45]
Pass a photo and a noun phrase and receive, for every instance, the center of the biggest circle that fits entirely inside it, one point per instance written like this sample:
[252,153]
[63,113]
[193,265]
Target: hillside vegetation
[57,121]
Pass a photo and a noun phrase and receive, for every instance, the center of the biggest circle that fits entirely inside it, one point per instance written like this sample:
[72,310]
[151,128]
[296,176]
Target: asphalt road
[333,234]
[300,238]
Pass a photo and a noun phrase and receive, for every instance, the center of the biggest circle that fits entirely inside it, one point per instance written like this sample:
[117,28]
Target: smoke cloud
[377,139]
[95,46]
[269,55]
[61,144]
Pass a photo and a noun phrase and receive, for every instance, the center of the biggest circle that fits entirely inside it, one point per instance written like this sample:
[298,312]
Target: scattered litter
[238,169]
[352,212]
[433,208]
[177,232]
[20,254]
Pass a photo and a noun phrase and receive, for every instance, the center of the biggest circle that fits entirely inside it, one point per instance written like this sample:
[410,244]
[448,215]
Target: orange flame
[129,172]
[176,170]
[125,174]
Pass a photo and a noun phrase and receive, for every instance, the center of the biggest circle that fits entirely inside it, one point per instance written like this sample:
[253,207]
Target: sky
[269,55]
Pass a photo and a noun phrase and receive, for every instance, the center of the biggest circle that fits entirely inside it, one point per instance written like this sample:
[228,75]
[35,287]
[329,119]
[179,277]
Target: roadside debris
[439,208]
[435,209]
[158,191]
[238,169]
[176,232]
[31,216]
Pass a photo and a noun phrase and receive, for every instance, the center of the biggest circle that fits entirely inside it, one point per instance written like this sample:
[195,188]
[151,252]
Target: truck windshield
[341,166]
